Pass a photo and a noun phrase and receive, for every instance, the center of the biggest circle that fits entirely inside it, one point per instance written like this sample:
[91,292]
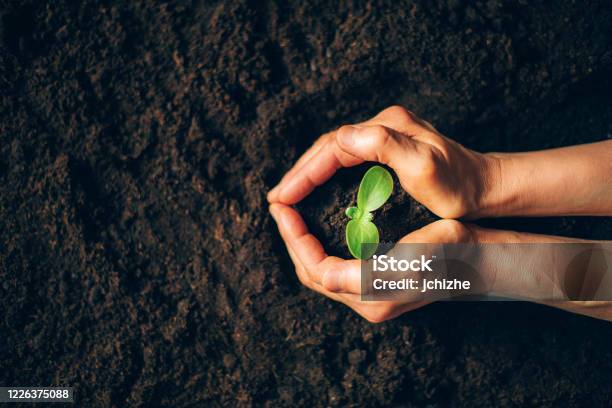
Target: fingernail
[346,137]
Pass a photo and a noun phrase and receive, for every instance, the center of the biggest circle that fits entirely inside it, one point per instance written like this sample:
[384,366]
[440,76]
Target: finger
[273,194]
[295,233]
[302,182]
[347,299]
[306,246]
[398,118]
[403,121]
[350,297]
[379,144]
[440,232]
[300,268]
[319,168]
[343,277]
[305,279]
[327,141]
[305,256]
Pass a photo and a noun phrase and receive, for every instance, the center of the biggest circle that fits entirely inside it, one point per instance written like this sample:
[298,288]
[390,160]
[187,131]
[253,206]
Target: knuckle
[344,129]
[455,231]
[399,112]
[380,134]
[443,148]
[324,138]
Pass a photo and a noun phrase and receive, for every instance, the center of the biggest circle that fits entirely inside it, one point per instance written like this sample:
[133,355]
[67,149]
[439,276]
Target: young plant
[375,189]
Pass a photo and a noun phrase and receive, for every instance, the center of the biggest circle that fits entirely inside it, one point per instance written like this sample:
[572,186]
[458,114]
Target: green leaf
[353,213]
[361,232]
[375,188]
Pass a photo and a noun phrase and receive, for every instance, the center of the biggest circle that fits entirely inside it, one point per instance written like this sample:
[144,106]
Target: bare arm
[533,272]
[453,182]
[574,180]
[456,182]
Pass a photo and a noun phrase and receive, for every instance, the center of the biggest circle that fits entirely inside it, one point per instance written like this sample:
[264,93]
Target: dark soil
[138,262]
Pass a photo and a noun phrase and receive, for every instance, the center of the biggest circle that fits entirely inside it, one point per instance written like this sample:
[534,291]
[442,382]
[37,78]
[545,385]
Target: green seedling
[375,189]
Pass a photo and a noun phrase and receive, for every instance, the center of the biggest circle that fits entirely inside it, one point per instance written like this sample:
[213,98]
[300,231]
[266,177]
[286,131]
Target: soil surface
[138,262]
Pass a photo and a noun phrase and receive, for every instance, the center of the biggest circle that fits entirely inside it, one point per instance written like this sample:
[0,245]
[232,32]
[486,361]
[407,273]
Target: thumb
[376,143]
[343,277]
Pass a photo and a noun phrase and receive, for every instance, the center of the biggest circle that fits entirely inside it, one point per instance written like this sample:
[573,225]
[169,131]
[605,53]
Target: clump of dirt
[138,262]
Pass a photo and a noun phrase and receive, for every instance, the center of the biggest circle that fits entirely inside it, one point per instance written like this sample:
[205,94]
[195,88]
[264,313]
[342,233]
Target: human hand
[449,179]
[430,167]
[452,182]
[340,279]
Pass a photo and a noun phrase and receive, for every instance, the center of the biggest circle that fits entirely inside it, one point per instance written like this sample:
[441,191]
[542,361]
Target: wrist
[485,196]
[491,196]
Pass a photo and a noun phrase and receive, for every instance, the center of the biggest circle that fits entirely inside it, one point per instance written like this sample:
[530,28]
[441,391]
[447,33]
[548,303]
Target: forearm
[574,180]
[548,270]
